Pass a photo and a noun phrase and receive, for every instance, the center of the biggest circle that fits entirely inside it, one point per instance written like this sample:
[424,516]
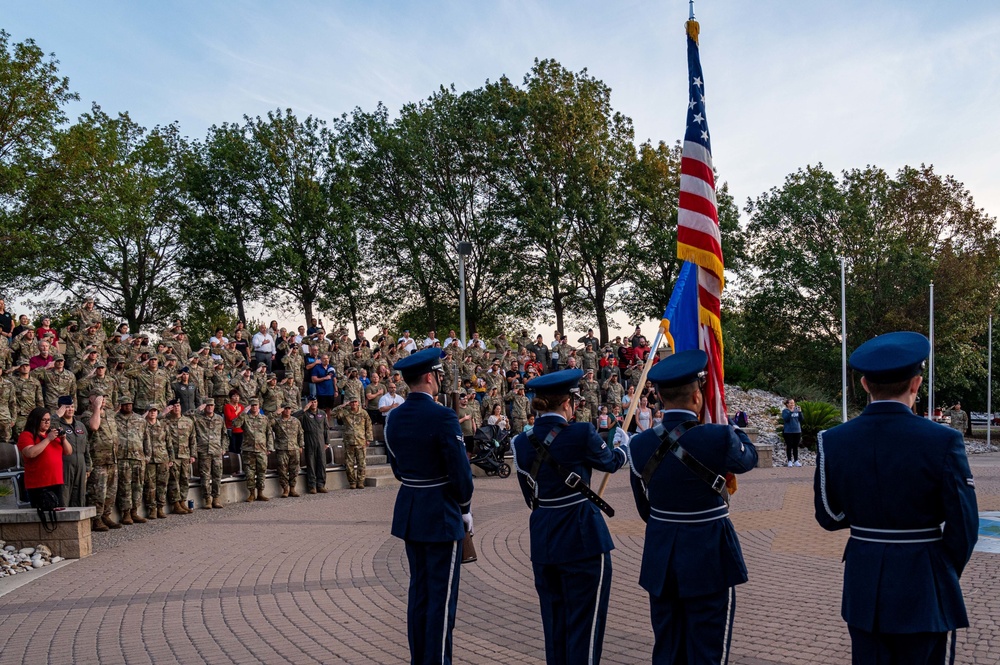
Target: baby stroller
[492,444]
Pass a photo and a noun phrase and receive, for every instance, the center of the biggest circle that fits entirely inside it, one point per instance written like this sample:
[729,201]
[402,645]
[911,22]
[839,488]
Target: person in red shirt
[231,411]
[46,328]
[42,449]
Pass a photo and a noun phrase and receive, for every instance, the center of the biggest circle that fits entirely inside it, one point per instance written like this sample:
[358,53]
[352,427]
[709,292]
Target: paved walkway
[319,580]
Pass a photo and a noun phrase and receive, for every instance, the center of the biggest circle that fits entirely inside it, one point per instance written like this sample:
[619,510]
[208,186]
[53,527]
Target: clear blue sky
[846,83]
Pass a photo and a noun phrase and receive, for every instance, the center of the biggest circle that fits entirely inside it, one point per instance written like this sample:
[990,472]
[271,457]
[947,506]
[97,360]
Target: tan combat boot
[110,523]
[127,518]
[216,503]
[206,503]
[151,502]
[261,496]
[284,492]
[137,518]
[292,492]
[161,513]
[250,496]
[176,509]
[322,490]
[97,524]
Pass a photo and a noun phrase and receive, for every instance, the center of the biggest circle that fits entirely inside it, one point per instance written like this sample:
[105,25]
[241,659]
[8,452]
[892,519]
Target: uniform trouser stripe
[730,617]
[597,611]
[950,648]
[447,600]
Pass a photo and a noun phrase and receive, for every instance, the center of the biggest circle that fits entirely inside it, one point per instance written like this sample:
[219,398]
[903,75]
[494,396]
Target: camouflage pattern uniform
[87,317]
[105,385]
[151,387]
[590,390]
[357,434]
[249,386]
[213,441]
[294,367]
[258,440]
[8,409]
[29,396]
[182,444]
[354,389]
[613,393]
[959,420]
[218,380]
[288,441]
[271,398]
[197,373]
[102,485]
[588,359]
[56,384]
[133,451]
[519,409]
[157,469]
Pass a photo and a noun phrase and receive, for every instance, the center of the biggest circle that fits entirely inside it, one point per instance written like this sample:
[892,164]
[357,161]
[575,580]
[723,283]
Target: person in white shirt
[430,340]
[263,347]
[218,342]
[390,400]
[452,337]
[475,341]
[408,342]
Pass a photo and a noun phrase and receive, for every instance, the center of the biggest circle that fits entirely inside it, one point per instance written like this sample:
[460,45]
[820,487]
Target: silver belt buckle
[573,479]
[719,484]
[531,482]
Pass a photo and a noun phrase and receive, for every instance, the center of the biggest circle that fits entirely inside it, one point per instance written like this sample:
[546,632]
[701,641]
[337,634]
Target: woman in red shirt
[42,449]
[231,411]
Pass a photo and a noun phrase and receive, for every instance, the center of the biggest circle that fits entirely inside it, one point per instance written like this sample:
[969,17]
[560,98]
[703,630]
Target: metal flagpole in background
[843,342]
[989,384]
[930,372]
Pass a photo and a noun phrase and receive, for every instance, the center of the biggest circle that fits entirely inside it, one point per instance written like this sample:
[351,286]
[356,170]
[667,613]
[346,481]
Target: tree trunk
[240,305]
[557,306]
[307,307]
[602,314]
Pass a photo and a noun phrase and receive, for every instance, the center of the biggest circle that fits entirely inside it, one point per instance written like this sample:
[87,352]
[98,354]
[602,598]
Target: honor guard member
[570,543]
[692,561]
[432,513]
[902,485]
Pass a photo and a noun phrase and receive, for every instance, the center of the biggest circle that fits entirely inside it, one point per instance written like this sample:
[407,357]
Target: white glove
[467,521]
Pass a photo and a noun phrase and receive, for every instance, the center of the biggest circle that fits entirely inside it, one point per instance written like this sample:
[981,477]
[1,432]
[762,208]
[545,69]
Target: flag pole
[634,404]
[690,10]
[930,371]
[989,385]
[843,342]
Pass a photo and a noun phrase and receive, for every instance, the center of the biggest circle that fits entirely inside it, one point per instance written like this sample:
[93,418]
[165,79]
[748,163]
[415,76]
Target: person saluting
[570,542]
[432,514]
[902,485]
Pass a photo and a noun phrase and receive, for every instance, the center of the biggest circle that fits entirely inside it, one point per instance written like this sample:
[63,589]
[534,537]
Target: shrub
[816,417]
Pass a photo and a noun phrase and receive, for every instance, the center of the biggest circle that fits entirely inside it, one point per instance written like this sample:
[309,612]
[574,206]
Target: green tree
[222,236]
[898,235]
[34,98]
[114,196]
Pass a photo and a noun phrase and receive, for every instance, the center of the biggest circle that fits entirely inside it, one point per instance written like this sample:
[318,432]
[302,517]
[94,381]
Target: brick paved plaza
[319,580]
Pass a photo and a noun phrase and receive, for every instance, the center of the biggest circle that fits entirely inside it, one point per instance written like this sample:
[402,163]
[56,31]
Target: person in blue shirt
[791,418]
[692,561]
[902,485]
[570,542]
[432,513]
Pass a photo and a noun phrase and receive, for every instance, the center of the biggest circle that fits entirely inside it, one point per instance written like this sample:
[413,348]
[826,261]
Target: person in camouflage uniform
[88,314]
[218,380]
[401,388]
[586,411]
[288,441]
[590,390]
[519,408]
[197,372]
[613,392]
[357,435]
[271,396]
[25,346]
[133,451]
[249,383]
[213,441]
[469,419]
[182,444]
[8,409]
[102,484]
[291,393]
[316,437]
[158,466]
[588,359]
[116,369]
[28,391]
[152,384]
[353,388]
[294,364]
[115,347]
[959,418]
[98,379]
[71,337]
[258,440]
[491,400]
[56,381]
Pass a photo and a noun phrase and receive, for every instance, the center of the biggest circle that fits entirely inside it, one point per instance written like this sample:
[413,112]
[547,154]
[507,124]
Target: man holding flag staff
[427,454]
[570,542]
[692,560]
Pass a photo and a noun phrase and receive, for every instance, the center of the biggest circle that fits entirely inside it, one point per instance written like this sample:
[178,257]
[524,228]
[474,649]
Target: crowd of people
[137,415]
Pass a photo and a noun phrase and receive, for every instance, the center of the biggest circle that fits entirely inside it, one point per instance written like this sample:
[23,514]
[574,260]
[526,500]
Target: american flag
[698,239]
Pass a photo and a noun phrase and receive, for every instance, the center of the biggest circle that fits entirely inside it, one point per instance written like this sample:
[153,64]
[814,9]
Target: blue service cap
[420,362]
[892,357]
[679,369]
[65,400]
[563,381]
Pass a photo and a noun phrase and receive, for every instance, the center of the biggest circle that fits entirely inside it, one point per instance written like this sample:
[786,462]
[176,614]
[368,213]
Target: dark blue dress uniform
[570,542]
[692,559]
[427,454]
[902,485]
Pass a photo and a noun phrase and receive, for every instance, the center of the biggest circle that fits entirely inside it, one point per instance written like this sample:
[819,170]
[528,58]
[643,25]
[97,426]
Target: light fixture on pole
[464,250]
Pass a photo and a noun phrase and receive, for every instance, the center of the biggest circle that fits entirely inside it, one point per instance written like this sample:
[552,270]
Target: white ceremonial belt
[896,536]
[562,501]
[421,483]
[692,517]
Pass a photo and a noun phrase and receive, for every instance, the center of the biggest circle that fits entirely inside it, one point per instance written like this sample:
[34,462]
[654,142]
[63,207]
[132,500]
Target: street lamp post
[464,250]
